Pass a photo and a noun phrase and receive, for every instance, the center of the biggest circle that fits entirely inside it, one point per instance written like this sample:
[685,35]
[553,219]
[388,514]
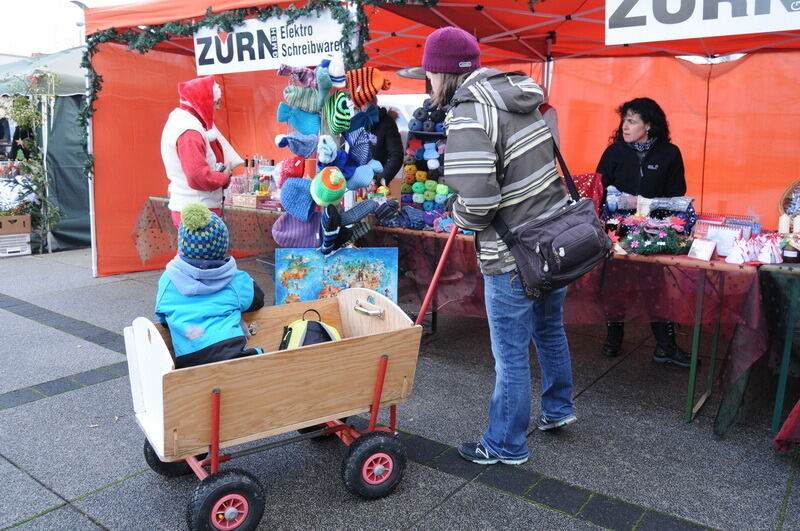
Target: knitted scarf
[642,146]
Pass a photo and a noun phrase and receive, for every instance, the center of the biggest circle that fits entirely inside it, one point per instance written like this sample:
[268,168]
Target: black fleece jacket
[659,174]
[388,150]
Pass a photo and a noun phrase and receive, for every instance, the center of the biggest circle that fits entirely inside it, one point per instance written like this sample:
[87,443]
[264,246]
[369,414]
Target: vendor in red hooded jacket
[193,150]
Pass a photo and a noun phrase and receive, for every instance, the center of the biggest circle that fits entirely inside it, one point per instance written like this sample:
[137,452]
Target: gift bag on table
[590,185]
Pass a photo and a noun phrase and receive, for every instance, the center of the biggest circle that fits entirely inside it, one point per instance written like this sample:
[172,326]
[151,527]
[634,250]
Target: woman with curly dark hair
[642,161]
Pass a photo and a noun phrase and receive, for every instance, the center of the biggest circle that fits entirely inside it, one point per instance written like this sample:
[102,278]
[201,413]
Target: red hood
[198,94]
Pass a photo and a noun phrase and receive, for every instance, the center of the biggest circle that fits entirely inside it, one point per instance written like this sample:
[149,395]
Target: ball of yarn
[442,189]
[430,184]
[410,179]
[418,198]
[405,188]
[418,187]
[427,205]
[409,169]
[438,206]
[440,198]
[430,195]
[422,176]
[406,198]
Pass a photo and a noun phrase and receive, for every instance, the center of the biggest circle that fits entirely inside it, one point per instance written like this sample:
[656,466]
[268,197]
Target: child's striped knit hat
[364,84]
[202,235]
[337,113]
[303,98]
[336,71]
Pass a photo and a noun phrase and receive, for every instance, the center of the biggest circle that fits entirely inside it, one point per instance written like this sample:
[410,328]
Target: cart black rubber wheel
[171,469]
[324,437]
[374,465]
[228,500]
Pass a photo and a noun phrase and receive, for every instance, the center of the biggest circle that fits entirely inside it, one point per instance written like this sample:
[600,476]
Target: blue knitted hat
[364,174]
[298,143]
[296,198]
[305,122]
[202,235]
[359,142]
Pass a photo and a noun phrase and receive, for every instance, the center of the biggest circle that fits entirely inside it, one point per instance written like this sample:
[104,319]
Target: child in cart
[201,295]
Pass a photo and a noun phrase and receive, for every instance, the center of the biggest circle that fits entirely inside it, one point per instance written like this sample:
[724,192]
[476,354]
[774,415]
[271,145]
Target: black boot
[613,345]
[667,351]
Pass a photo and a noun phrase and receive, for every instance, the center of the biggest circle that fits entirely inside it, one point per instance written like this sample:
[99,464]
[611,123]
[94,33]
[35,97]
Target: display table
[781,286]
[250,230]
[630,288]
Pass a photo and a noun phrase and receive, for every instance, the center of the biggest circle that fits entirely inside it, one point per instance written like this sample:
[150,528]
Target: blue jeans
[515,320]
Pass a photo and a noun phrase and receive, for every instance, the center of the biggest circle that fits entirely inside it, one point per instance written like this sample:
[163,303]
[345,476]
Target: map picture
[307,274]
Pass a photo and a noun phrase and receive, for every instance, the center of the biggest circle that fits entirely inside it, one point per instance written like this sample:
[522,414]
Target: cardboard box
[15,224]
[15,245]
[244,200]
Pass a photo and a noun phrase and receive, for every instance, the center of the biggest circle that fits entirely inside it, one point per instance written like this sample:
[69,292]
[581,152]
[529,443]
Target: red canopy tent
[731,120]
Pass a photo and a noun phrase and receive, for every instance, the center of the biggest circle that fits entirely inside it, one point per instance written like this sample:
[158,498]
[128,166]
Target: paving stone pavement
[71,452]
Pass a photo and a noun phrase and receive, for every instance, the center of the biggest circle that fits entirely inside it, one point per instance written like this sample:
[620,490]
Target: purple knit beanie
[452,51]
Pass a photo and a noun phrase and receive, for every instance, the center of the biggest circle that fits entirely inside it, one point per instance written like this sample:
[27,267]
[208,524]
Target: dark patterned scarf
[642,146]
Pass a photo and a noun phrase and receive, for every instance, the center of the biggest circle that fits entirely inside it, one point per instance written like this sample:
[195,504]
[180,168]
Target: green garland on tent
[147,38]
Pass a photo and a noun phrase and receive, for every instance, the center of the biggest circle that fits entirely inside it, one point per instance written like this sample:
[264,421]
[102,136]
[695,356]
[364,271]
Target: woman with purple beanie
[499,161]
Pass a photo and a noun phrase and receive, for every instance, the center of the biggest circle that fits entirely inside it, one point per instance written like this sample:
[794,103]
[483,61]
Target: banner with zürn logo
[632,21]
[265,45]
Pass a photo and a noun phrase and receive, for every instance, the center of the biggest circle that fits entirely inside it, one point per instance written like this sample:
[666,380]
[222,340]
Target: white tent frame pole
[44,105]
[90,179]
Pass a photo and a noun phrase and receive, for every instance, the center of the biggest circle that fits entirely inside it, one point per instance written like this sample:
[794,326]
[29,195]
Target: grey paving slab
[511,479]
[449,401]
[478,507]
[637,378]
[65,518]
[792,518]
[566,498]
[35,353]
[18,397]
[647,456]
[653,521]
[73,443]
[611,513]
[111,307]
[94,376]
[26,276]
[58,386]
[303,490]
[29,496]
[74,257]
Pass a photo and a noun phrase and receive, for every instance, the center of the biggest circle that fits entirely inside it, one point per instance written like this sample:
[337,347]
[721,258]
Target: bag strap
[503,231]
[573,191]
[319,317]
[500,226]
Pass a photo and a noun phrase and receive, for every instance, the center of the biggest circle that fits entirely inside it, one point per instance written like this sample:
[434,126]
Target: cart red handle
[435,280]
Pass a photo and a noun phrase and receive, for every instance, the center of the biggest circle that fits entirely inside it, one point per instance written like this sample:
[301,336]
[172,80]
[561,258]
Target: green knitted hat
[303,98]
[337,114]
[328,187]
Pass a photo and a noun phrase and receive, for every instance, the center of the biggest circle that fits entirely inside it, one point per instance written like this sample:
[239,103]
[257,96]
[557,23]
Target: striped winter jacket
[499,160]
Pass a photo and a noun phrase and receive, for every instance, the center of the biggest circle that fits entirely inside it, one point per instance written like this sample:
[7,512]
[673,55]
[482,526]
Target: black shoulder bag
[551,252]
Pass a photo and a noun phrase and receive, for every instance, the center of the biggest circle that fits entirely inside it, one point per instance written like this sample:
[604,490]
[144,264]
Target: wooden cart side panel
[270,320]
[134,373]
[148,361]
[280,391]
[356,324]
